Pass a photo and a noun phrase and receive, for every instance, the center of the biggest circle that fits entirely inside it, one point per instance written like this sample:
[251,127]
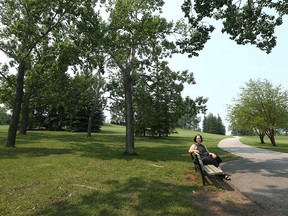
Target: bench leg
[204,181]
[198,169]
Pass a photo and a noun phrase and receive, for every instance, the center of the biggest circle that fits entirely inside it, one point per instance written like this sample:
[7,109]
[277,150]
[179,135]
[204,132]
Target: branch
[50,27]
[7,78]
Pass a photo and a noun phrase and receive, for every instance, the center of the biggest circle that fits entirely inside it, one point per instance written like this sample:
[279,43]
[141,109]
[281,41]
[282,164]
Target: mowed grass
[281,143]
[64,173]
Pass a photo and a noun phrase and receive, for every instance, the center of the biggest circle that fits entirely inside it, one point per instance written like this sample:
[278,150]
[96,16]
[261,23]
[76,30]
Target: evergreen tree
[213,124]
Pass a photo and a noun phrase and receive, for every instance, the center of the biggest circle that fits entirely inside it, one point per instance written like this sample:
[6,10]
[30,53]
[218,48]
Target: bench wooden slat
[209,170]
[215,169]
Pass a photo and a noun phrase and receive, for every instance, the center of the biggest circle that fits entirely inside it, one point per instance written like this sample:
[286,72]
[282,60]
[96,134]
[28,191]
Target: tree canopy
[247,22]
[260,107]
[45,40]
[4,116]
[137,40]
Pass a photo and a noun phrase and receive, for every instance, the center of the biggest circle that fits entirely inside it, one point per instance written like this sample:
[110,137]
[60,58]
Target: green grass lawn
[65,173]
[281,143]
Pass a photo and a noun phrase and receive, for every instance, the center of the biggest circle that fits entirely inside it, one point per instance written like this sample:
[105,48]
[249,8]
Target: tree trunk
[129,117]
[89,128]
[261,136]
[261,139]
[129,113]
[95,105]
[273,141]
[270,132]
[24,115]
[11,138]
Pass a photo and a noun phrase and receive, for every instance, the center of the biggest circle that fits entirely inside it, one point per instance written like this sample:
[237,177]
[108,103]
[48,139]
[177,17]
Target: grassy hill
[65,173]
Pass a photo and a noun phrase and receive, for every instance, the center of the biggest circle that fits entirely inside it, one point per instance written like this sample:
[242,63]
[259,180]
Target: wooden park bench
[205,170]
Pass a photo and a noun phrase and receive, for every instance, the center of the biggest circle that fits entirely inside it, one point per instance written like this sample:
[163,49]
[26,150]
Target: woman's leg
[214,161]
[218,160]
[210,160]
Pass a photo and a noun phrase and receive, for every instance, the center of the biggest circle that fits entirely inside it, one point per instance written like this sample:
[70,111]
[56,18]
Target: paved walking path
[262,175]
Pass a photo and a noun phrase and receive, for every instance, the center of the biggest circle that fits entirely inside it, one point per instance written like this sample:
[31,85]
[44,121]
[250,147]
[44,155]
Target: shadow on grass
[139,197]
[104,145]
[32,152]
[133,197]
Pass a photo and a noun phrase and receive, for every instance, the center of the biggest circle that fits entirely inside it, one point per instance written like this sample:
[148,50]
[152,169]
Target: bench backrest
[197,159]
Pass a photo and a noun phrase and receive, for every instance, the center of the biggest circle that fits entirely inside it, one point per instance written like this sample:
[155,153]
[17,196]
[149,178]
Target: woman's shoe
[227,177]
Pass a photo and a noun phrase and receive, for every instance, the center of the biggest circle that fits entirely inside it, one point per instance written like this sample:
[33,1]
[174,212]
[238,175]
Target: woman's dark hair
[199,136]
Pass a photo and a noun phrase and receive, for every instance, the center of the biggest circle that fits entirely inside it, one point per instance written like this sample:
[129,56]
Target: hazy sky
[223,66]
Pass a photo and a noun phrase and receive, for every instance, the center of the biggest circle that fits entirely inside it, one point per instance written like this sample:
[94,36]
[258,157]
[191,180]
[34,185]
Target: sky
[223,67]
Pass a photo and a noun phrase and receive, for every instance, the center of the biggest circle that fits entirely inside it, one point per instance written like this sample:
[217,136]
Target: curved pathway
[262,175]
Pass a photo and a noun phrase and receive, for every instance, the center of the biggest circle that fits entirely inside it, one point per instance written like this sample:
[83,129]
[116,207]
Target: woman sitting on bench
[206,156]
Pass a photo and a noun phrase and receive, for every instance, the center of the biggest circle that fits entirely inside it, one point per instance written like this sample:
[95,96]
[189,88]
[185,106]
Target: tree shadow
[101,145]
[136,196]
[32,152]
[274,167]
[265,197]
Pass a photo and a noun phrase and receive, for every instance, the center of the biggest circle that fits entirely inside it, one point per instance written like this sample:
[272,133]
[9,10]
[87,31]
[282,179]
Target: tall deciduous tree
[134,29]
[260,106]
[25,24]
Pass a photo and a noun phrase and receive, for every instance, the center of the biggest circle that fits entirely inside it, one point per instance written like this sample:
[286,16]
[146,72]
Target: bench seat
[205,170]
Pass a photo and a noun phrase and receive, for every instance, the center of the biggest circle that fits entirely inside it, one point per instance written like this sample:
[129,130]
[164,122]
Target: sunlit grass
[281,143]
[64,173]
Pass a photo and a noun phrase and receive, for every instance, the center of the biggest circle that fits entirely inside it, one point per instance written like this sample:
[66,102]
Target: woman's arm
[211,154]
[193,148]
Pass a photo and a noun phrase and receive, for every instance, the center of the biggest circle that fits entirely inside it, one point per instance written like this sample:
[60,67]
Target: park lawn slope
[281,143]
[64,173]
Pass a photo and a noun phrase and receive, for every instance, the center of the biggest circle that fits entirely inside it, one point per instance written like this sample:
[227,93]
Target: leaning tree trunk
[270,132]
[11,138]
[129,117]
[262,139]
[261,136]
